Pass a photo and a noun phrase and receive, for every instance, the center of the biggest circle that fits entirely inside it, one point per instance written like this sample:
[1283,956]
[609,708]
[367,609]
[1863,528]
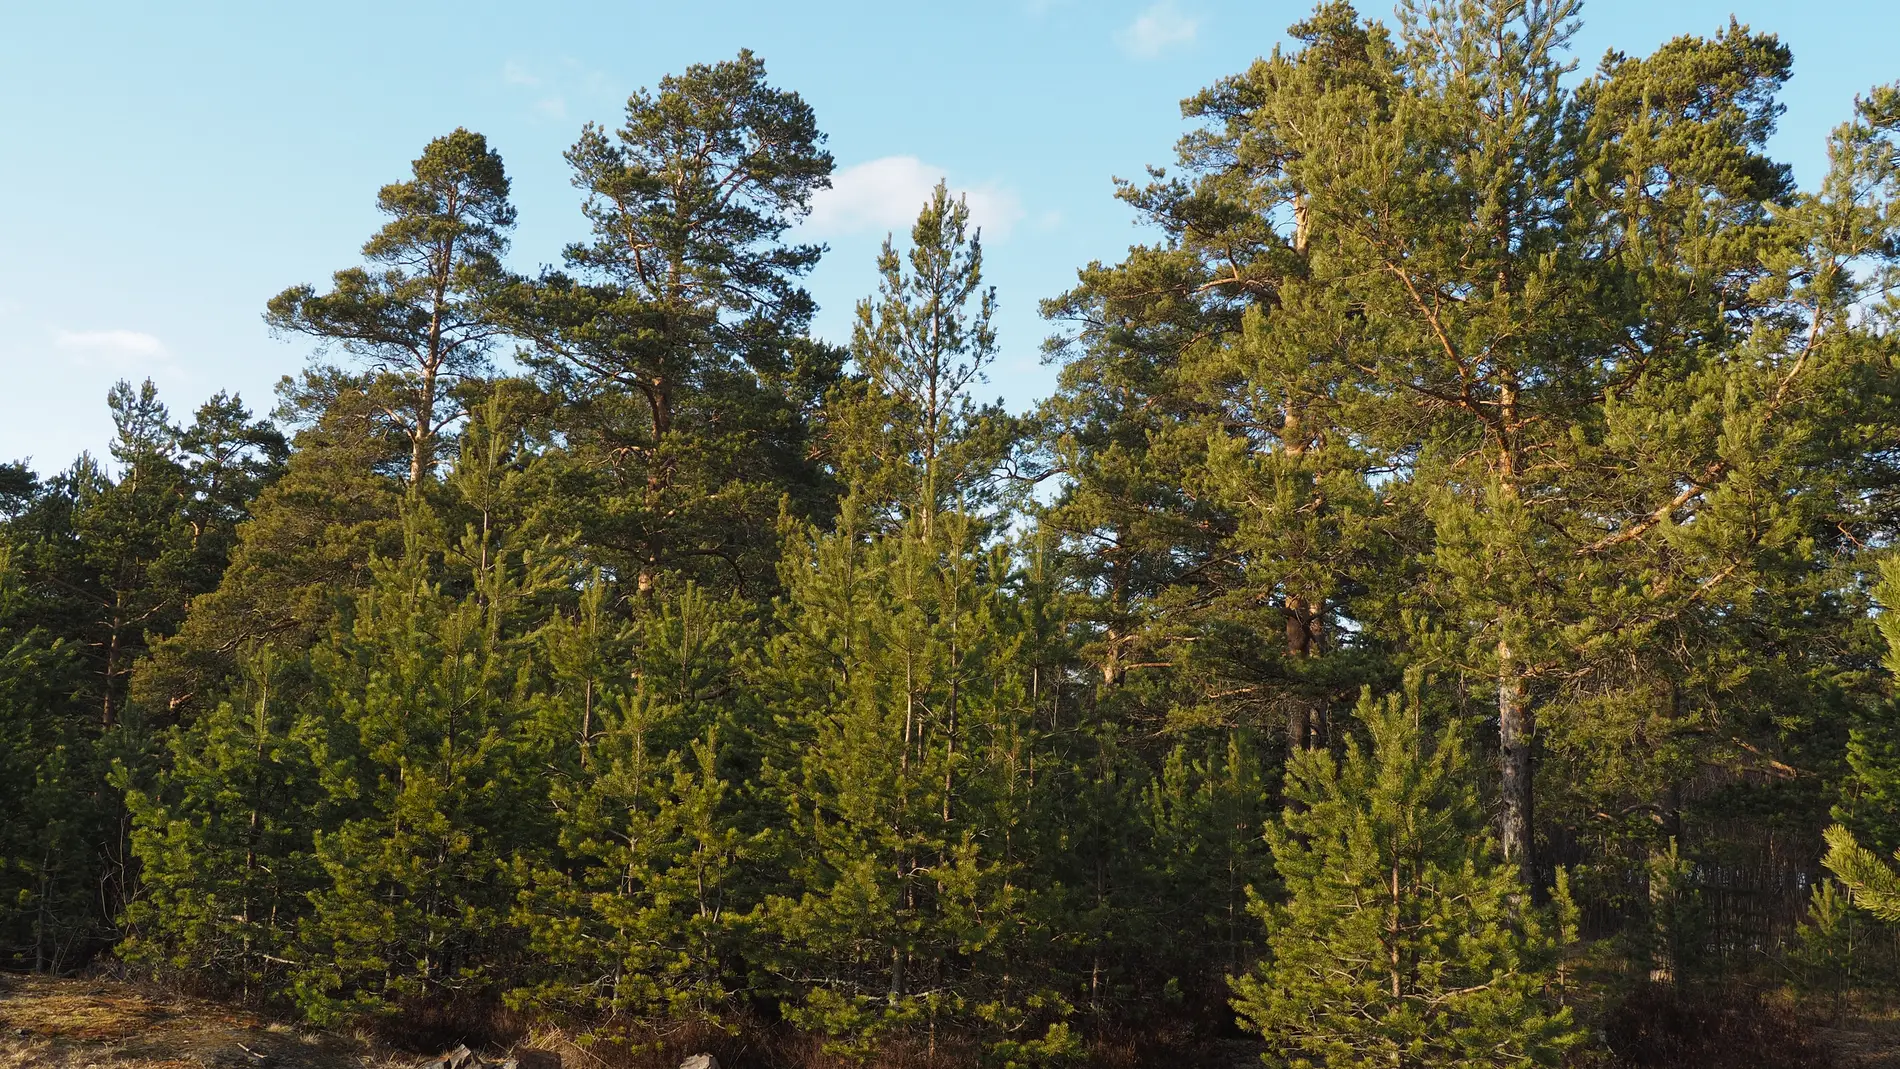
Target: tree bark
[658,478]
[1514,759]
[1299,644]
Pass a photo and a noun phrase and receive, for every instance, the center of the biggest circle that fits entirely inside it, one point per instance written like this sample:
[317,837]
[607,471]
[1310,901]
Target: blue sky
[164,169]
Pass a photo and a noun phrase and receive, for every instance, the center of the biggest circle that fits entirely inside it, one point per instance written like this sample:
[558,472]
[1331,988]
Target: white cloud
[115,349]
[550,86]
[1158,29]
[515,73]
[885,194]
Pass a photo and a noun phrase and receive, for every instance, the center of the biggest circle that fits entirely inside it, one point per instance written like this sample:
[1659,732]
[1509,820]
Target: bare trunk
[422,442]
[587,722]
[1514,759]
[1516,727]
[1302,615]
[1299,644]
[657,476]
[109,713]
[1393,930]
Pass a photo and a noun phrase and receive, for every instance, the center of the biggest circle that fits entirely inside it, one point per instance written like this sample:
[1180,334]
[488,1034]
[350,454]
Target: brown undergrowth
[49,1023]
[759,1044]
[52,1023]
[99,1023]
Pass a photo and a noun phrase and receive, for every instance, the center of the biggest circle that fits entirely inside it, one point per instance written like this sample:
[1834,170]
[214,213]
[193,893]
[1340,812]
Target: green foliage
[419,323]
[710,672]
[647,905]
[1875,886]
[47,865]
[431,762]
[673,340]
[904,741]
[1402,941]
[1839,950]
[223,836]
[911,437]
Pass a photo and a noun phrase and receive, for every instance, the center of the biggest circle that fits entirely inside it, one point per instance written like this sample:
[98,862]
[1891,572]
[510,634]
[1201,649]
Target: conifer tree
[1206,816]
[902,688]
[419,321]
[48,852]
[131,560]
[103,563]
[642,915]
[911,434]
[223,836]
[674,337]
[1403,940]
[433,761]
[1870,802]
[905,732]
[306,538]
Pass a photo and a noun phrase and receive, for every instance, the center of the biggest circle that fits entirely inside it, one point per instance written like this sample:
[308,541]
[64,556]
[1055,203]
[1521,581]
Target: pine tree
[1403,940]
[419,322]
[432,761]
[642,915]
[905,731]
[223,836]
[303,546]
[1206,816]
[1870,803]
[48,856]
[911,436]
[903,689]
[674,338]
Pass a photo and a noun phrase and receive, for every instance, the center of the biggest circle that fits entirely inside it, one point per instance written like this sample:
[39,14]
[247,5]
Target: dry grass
[1865,1035]
[48,1023]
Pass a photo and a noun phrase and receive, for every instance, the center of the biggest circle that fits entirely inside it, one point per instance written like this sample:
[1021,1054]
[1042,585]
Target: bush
[1662,1027]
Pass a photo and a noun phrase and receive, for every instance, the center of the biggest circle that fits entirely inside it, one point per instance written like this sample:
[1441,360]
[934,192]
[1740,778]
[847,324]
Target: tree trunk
[657,477]
[1515,724]
[1299,644]
[422,441]
[1514,759]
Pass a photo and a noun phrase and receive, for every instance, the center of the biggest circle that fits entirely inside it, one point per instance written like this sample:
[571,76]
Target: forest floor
[1868,1037]
[48,1023]
[51,1023]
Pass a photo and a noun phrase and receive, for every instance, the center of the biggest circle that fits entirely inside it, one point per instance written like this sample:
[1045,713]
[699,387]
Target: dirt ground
[1868,1038]
[48,1023]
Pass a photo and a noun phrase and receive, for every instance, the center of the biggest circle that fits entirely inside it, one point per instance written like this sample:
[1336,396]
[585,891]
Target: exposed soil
[48,1023]
[1868,1038]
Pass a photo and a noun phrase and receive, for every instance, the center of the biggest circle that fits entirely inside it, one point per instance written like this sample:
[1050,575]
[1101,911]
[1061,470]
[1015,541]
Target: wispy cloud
[1158,29]
[116,350]
[886,193]
[551,85]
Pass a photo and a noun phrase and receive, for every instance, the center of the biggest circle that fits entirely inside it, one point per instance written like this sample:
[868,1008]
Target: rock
[700,1061]
[459,1058]
[463,1058]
